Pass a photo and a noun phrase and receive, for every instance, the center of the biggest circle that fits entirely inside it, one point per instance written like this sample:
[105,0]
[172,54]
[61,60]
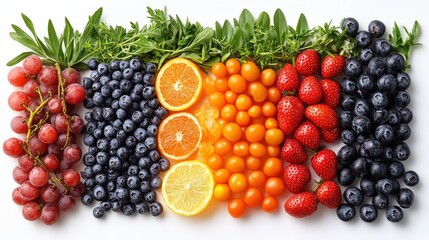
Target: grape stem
[61,93]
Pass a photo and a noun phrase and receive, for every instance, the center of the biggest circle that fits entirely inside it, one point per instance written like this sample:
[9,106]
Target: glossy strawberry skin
[332,66]
[307,62]
[290,112]
[293,152]
[296,177]
[287,78]
[301,205]
[322,115]
[329,194]
[308,135]
[331,92]
[331,135]
[310,91]
[324,163]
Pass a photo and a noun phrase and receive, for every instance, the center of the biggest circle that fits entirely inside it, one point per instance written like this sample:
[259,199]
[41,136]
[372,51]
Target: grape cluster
[375,119]
[122,163]
[46,148]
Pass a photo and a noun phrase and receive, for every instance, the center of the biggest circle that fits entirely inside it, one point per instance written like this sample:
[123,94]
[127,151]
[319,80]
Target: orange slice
[179,136]
[179,84]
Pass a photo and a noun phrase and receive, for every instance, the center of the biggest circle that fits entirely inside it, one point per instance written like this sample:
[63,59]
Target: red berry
[324,163]
[70,76]
[331,135]
[301,204]
[329,194]
[296,177]
[50,214]
[290,112]
[13,147]
[18,124]
[48,76]
[17,76]
[332,66]
[71,178]
[308,135]
[28,191]
[38,176]
[17,198]
[18,101]
[293,152]
[47,133]
[310,90]
[74,93]
[288,78]
[331,92]
[32,64]
[307,62]
[31,211]
[322,115]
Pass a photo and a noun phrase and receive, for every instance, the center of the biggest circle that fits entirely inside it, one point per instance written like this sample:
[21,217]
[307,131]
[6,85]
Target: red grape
[49,194]
[50,214]
[48,90]
[19,175]
[13,147]
[38,176]
[17,198]
[26,162]
[30,88]
[31,211]
[28,191]
[74,94]
[71,178]
[18,124]
[47,133]
[50,161]
[37,147]
[72,154]
[70,76]
[60,122]
[32,64]
[48,76]
[18,101]
[76,124]
[17,76]
[55,150]
[66,202]
[55,105]
[77,190]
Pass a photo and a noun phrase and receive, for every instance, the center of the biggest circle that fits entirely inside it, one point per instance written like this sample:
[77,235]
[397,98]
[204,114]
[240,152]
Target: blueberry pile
[375,119]
[122,164]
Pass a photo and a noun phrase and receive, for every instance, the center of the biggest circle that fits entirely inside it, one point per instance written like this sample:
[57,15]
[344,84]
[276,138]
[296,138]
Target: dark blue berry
[402,98]
[99,193]
[385,186]
[378,170]
[351,25]
[406,115]
[353,68]
[403,132]
[353,196]
[360,167]
[103,69]
[379,100]
[92,64]
[394,117]
[155,209]
[347,102]
[394,213]
[348,86]
[345,176]
[150,196]
[361,124]
[141,149]
[136,64]
[98,212]
[156,182]
[376,67]
[380,201]
[405,197]
[387,83]
[411,178]
[382,47]
[364,38]
[401,151]
[403,81]
[149,79]
[362,107]
[380,116]
[385,133]
[395,63]
[164,164]
[365,55]
[368,212]
[347,154]
[87,199]
[114,65]
[371,148]
[142,207]
[367,186]
[123,64]
[128,209]
[150,68]
[346,212]
[376,28]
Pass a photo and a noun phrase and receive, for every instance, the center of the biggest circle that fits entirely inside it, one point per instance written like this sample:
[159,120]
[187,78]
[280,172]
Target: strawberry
[310,91]
[296,177]
[322,115]
[307,62]
[287,78]
[290,112]
[301,205]
[331,135]
[293,152]
[331,92]
[332,66]
[324,164]
[329,194]
[308,135]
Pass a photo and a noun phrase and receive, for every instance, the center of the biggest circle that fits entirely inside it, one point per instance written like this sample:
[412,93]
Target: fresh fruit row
[122,164]
[306,115]
[45,149]
[375,118]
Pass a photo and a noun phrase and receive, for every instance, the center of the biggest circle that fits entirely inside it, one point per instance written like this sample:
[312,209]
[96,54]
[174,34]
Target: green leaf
[246,18]
[228,30]
[203,37]
[263,21]
[280,25]
[218,31]
[53,39]
[238,37]
[302,25]
[192,56]
[18,58]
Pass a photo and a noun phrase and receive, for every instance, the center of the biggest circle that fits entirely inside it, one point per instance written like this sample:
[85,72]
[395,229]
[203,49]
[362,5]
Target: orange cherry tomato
[274,136]
[273,167]
[273,151]
[269,204]
[258,91]
[250,71]
[242,118]
[232,132]
[219,70]
[268,77]
[222,192]
[275,186]
[256,178]
[221,84]
[274,94]
[243,102]
[255,132]
[235,164]
[237,208]
[240,148]
[237,83]
[269,109]
[271,122]
[215,162]
[222,175]
[230,97]
[238,182]
[228,112]
[253,163]
[253,197]
[217,99]
[257,149]
[233,66]
[255,111]
[222,146]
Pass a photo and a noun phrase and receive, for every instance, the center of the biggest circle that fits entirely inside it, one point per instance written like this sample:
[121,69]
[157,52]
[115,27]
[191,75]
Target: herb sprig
[403,43]
[67,50]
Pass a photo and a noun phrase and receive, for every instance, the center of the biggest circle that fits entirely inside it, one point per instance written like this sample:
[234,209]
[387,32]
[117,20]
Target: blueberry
[346,212]
[151,68]
[130,142]
[164,164]
[150,143]
[140,134]
[378,170]
[346,118]
[123,153]
[128,209]
[353,68]
[402,98]
[396,169]
[141,149]
[405,197]
[133,182]
[385,186]
[99,193]
[98,99]
[142,207]
[376,67]
[382,47]
[364,38]
[117,206]
[345,176]
[116,93]
[351,25]
[121,193]
[395,63]
[136,64]
[387,83]
[153,103]
[362,107]
[148,92]
[368,212]
[103,69]
[123,64]
[133,170]
[348,136]
[394,213]
[367,186]
[406,115]
[121,181]
[125,85]
[92,64]
[411,178]
[89,139]
[155,169]
[347,102]
[403,132]
[102,158]
[137,77]
[361,124]
[376,28]
[380,201]
[401,151]
[348,86]
[154,156]
[86,199]
[155,209]
[144,174]
[129,126]
[371,148]
[103,144]
[149,79]
[360,167]
[147,112]
[156,182]
[87,83]
[403,81]
[136,196]
[365,55]
[379,100]
[121,135]
[98,212]
[152,130]
[353,196]
[114,65]
[128,73]
[394,117]
[150,196]
[347,154]
[117,76]
[95,75]
[145,186]
[385,133]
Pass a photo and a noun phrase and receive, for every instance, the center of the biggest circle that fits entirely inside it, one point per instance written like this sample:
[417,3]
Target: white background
[215,222]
